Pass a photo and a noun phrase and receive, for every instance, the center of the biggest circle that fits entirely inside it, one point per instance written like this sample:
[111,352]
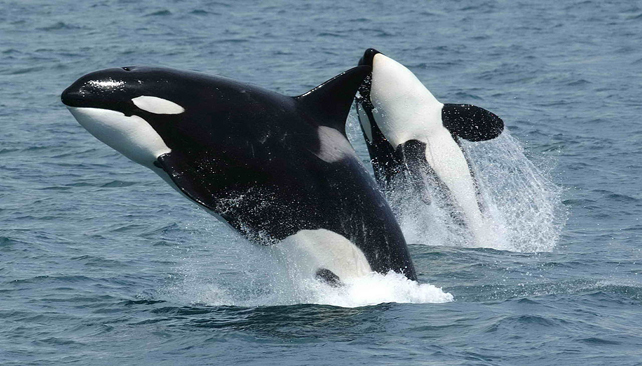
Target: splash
[523,208]
[247,275]
[376,289]
[368,290]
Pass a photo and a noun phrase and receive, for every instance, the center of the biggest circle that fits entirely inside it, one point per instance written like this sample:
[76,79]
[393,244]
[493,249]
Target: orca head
[126,108]
[211,137]
[402,108]
[391,94]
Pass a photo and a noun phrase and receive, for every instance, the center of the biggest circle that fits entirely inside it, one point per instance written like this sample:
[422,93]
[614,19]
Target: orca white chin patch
[157,105]
[312,250]
[131,136]
[404,108]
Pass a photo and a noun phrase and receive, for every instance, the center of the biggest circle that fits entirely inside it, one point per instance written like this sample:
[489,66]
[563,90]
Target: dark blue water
[102,263]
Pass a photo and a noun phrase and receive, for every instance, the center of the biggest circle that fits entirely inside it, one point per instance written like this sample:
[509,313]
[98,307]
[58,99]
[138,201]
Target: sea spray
[265,276]
[522,206]
[371,289]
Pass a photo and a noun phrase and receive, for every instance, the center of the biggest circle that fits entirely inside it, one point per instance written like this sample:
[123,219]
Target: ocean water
[102,263]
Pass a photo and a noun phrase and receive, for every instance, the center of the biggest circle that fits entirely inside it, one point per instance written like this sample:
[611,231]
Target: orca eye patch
[157,105]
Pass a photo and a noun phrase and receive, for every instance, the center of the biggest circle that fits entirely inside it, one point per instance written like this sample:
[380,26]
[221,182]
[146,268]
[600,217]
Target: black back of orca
[259,159]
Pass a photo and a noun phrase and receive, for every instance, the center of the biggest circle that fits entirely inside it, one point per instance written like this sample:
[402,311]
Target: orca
[277,169]
[410,135]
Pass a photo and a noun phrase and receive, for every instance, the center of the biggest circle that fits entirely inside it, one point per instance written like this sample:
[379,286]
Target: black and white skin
[277,169]
[410,134]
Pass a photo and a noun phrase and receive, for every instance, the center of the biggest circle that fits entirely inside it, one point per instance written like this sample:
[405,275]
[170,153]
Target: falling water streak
[521,197]
[523,207]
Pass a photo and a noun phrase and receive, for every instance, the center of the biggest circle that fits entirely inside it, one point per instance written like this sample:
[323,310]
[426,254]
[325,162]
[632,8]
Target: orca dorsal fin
[470,122]
[330,102]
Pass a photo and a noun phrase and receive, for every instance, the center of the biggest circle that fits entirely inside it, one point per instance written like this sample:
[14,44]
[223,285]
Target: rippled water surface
[102,263]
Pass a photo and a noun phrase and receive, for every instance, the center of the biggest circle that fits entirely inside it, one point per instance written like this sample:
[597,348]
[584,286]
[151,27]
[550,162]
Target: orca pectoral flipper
[205,180]
[471,122]
[182,175]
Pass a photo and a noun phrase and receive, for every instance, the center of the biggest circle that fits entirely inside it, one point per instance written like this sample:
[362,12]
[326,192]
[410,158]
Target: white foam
[368,290]
[377,288]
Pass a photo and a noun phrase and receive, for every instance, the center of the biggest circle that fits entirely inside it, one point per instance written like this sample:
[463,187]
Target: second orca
[410,134]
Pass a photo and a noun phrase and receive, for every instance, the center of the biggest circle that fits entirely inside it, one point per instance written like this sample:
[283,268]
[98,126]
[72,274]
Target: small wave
[118,183]
[329,34]
[23,70]
[7,241]
[594,341]
[58,26]
[8,150]
[66,280]
[580,82]
[201,12]
[11,51]
[466,96]
[58,341]
[163,12]
[100,262]
[127,228]
[616,197]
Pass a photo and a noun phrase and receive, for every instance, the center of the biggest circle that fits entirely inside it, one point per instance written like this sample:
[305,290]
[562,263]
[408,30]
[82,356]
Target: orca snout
[72,96]
[368,57]
[98,87]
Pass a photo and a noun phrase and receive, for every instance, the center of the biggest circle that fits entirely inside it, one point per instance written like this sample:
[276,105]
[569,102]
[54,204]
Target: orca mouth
[74,98]
[368,57]
[363,95]
[364,89]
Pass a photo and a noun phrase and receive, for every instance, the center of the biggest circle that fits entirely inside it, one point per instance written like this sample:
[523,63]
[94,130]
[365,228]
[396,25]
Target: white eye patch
[157,105]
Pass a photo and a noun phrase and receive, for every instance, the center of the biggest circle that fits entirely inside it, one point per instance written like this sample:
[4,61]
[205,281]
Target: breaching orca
[278,169]
[410,134]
